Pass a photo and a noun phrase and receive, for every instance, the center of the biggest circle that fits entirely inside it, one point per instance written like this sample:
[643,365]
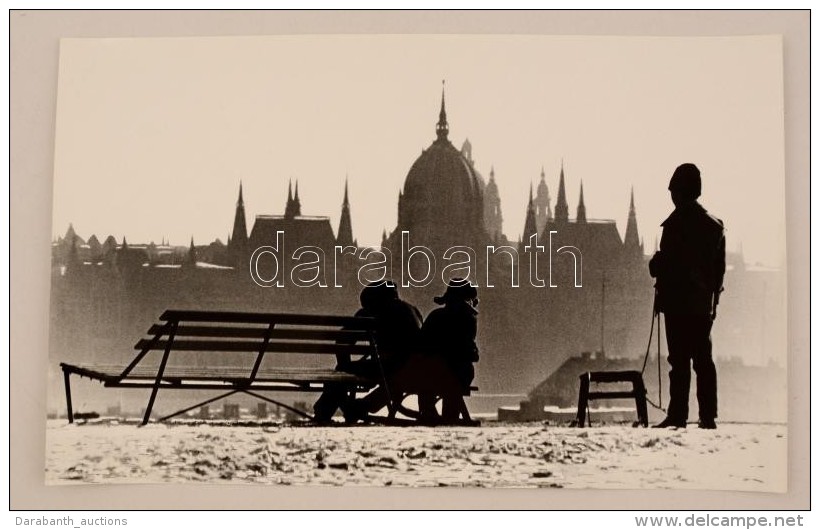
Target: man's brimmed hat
[458,289]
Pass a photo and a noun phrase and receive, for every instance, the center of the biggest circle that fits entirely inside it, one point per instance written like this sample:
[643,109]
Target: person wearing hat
[449,333]
[689,270]
[398,328]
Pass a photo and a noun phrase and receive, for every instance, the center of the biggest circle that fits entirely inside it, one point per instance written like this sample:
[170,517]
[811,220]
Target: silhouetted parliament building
[106,294]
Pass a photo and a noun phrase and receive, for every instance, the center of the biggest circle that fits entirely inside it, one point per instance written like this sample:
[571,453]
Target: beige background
[136,116]
[34,53]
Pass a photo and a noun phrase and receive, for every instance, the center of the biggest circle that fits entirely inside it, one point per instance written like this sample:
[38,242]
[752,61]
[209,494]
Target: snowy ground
[749,457]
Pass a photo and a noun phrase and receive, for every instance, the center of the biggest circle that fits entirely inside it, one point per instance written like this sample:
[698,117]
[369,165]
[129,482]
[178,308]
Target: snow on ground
[746,457]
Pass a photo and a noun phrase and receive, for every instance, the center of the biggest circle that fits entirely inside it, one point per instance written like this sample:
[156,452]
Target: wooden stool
[638,392]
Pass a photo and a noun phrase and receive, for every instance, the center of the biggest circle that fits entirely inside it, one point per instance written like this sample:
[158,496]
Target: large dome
[442,169]
[442,200]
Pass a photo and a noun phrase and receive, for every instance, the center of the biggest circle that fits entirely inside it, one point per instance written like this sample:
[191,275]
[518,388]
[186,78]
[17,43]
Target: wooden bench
[221,334]
[251,337]
[638,393]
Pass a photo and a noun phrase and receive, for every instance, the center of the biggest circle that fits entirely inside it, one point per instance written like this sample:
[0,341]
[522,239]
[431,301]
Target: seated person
[449,334]
[398,326]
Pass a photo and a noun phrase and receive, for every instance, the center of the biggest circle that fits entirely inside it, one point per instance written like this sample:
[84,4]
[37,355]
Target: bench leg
[69,409]
[640,403]
[160,371]
[583,395]
[465,414]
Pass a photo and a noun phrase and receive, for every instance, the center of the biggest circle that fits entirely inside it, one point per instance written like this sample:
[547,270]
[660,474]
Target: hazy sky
[154,135]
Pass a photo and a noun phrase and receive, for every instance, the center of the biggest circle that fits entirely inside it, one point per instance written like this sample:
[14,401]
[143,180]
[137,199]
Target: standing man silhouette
[689,269]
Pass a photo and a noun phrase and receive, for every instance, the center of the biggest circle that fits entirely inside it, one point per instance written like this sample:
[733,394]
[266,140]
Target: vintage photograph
[419,260]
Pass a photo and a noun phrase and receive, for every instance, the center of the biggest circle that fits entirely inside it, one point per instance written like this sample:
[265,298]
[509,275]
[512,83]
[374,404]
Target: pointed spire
[442,116]
[346,202]
[493,220]
[293,208]
[530,226]
[296,202]
[561,206]
[238,239]
[581,216]
[124,243]
[543,209]
[632,241]
[442,128]
[344,237]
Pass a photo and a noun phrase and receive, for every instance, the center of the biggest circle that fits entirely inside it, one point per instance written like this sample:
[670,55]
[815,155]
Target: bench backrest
[260,333]
[265,332]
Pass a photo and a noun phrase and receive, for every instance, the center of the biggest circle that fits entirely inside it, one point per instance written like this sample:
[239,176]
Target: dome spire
[442,129]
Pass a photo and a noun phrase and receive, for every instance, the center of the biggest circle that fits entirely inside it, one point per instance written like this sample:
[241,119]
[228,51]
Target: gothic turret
[561,207]
[581,216]
[467,151]
[238,240]
[543,209]
[293,208]
[632,243]
[530,227]
[344,236]
[492,209]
